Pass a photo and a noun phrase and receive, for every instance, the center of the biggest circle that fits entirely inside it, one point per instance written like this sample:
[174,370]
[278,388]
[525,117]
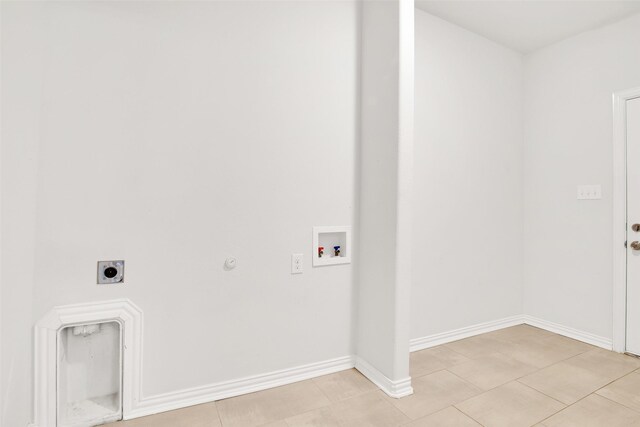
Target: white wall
[173,135]
[467,244]
[22,62]
[384,281]
[171,130]
[568,88]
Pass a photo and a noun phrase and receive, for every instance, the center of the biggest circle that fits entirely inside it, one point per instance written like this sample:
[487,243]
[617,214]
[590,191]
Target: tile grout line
[590,394]
[329,406]
[545,367]
[611,382]
[519,382]
[525,385]
[455,351]
[313,380]
[452,405]
[503,354]
[455,405]
[428,373]
[443,346]
[467,415]
[570,404]
[611,400]
[404,413]
[566,407]
[544,394]
[553,335]
[617,403]
[215,405]
[482,391]
[440,410]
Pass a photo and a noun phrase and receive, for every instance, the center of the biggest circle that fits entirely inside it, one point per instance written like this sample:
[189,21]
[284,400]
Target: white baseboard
[417,344]
[209,393]
[566,331]
[396,389]
[466,332]
[197,395]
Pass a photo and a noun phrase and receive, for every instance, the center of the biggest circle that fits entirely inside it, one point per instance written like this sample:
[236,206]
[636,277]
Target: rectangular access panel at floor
[89,374]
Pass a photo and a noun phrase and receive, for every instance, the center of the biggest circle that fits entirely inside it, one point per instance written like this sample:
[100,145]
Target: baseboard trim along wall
[422,343]
[197,395]
[466,332]
[397,389]
[566,331]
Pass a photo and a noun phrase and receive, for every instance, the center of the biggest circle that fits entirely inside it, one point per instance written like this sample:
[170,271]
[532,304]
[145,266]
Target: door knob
[635,246]
[635,227]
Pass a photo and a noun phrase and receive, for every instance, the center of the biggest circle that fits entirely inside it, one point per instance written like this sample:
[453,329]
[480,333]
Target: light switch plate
[297,263]
[589,192]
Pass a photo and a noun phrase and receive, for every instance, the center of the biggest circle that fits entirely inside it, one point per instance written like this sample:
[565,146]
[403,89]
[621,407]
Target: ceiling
[527,25]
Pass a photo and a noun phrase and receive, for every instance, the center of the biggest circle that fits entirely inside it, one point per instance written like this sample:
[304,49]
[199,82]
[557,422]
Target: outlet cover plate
[589,192]
[110,272]
[297,263]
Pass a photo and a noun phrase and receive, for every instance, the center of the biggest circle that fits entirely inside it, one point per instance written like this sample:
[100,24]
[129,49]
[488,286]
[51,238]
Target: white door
[633,226]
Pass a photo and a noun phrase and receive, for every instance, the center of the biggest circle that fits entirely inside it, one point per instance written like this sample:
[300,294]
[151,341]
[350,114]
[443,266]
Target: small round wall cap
[230,263]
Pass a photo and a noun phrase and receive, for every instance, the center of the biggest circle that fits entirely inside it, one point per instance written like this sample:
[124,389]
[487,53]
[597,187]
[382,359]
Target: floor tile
[520,333]
[449,417]
[565,382]
[594,411]
[625,391]
[579,376]
[204,415]
[323,417]
[367,410]
[510,405]
[506,377]
[583,347]
[434,392]
[607,363]
[478,346]
[492,370]
[434,359]
[546,350]
[344,384]
[271,405]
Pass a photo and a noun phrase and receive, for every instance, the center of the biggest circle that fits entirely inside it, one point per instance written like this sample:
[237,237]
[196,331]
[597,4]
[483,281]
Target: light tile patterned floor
[519,376]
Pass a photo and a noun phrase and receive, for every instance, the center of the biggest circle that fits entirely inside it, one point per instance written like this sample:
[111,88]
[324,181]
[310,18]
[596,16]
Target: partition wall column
[384,263]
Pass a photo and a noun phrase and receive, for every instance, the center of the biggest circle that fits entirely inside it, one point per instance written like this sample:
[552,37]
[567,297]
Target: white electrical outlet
[297,263]
[589,192]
